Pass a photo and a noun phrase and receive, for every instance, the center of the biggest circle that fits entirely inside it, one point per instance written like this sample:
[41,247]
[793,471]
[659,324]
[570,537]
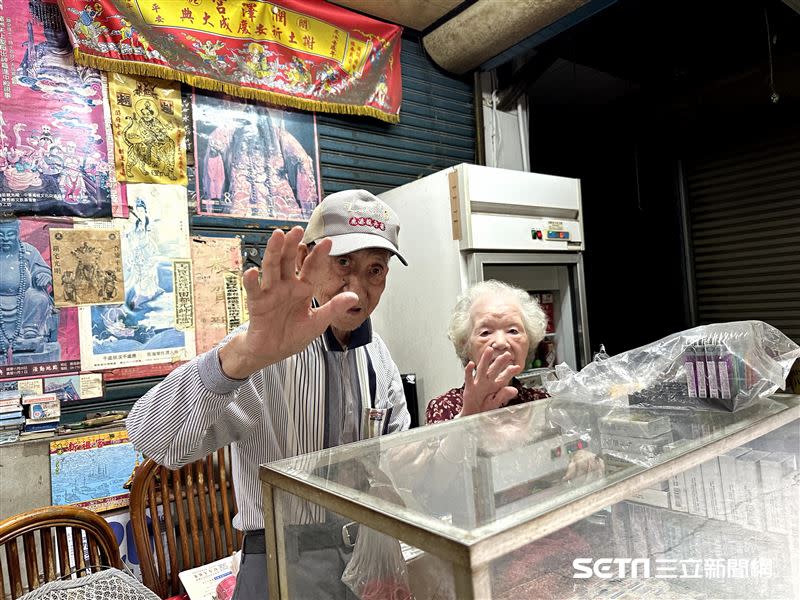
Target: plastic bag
[723,366]
[377,570]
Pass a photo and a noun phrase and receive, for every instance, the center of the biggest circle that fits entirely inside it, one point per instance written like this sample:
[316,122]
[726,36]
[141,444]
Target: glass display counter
[515,503]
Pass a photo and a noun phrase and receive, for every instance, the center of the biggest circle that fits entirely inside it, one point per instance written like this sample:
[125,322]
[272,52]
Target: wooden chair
[56,542]
[194,506]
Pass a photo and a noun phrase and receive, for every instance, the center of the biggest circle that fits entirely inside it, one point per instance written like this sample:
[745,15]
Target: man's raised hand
[282,320]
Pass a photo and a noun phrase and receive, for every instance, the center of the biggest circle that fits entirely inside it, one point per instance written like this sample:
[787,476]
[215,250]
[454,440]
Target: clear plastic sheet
[646,402]
[723,365]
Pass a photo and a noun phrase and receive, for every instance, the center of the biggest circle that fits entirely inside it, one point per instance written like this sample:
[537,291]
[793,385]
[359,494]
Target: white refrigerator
[471,223]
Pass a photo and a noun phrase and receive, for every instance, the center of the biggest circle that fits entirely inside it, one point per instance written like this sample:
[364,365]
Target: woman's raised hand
[486,385]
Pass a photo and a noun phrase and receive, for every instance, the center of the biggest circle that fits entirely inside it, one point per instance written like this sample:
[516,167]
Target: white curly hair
[533,318]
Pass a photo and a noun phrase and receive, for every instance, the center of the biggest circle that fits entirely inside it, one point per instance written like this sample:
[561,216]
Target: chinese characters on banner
[305,54]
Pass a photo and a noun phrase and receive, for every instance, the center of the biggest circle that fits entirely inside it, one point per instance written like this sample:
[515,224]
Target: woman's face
[497,323]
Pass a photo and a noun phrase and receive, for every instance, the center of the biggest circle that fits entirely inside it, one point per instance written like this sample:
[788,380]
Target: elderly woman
[495,329]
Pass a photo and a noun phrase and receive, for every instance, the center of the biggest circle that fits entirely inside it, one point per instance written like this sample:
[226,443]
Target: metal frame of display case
[471,558]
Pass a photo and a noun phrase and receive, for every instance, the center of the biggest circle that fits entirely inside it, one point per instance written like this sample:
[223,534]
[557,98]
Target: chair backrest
[195,508]
[53,542]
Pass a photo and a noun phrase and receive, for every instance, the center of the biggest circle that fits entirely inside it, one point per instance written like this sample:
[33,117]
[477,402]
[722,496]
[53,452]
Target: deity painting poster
[254,160]
[87,266]
[150,326]
[53,136]
[36,338]
[146,117]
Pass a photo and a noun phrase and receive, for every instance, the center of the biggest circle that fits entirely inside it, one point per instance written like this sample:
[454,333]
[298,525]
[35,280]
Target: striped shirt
[293,407]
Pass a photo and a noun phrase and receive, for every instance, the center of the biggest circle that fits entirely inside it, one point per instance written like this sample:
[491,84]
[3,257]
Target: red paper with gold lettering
[305,54]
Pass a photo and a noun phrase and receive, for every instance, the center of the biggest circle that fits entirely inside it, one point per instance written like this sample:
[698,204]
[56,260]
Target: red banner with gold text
[305,54]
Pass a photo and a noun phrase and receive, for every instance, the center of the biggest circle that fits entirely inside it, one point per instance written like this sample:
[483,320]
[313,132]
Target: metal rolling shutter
[744,206]
[436,130]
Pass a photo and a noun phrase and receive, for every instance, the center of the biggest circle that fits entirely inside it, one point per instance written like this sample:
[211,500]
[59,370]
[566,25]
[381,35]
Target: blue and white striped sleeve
[194,411]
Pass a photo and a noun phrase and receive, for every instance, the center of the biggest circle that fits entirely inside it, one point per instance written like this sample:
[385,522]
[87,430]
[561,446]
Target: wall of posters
[91,471]
[254,161]
[54,159]
[99,280]
[143,329]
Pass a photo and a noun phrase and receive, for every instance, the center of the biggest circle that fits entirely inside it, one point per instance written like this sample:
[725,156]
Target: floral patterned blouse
[449,405]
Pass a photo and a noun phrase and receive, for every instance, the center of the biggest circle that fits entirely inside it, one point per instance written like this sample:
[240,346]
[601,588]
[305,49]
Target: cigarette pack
[774,468]
[653,497]
[695,493]
[727,472]
[643,447]
[691,372]
[640,424]
[749,499]
[700,365]
[712,487]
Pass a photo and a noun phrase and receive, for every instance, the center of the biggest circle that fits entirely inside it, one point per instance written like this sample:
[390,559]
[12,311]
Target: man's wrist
[235,361]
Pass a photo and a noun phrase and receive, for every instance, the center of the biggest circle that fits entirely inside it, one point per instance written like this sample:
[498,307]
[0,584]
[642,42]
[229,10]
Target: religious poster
[36,337]
[53,138]
[143,330]
[87,266]
[149,138]
[216,260]
[252,160]
[92,471]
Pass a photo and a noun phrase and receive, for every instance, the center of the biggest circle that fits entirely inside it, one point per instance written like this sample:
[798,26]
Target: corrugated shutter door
[436,130]
[745,234]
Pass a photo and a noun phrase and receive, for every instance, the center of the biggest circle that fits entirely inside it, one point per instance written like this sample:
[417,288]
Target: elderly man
[308,349]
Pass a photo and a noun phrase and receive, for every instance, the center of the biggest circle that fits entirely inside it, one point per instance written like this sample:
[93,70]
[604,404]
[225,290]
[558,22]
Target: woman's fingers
[506,374]
[483,362]
[502,363]
[505,395]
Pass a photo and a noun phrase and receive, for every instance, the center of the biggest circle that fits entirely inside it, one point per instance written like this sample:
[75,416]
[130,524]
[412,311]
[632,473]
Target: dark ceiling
[678,53]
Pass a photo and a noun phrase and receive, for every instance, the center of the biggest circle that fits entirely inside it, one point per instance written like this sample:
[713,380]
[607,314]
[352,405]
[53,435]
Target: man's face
[363,272]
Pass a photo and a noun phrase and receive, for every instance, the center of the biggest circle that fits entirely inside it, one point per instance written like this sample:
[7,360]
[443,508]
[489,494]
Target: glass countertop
[471,478]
